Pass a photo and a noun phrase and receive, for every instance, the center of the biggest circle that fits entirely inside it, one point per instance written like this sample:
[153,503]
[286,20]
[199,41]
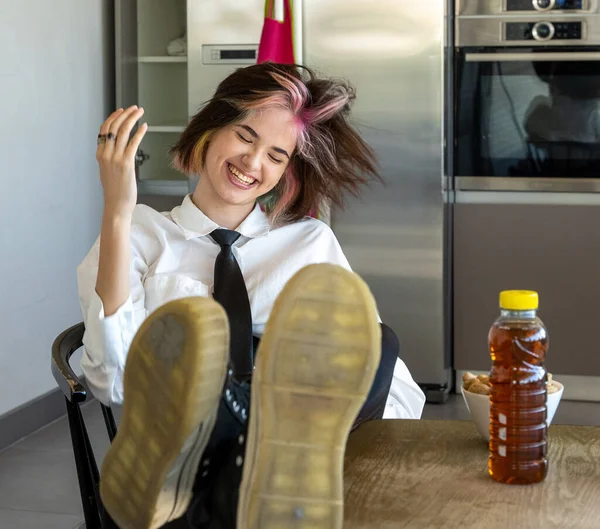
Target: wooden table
[433,474]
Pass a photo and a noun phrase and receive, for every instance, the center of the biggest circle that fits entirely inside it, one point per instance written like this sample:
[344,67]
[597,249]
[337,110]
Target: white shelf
[176,188]
[161,88]
[162,59]
[166,128]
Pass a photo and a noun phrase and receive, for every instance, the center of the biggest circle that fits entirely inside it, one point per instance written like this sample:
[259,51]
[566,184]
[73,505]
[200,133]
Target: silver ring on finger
[111,136]
[101,139]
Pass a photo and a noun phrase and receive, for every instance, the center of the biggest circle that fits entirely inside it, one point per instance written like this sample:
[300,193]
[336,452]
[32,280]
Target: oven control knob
[543,5]
[543,31]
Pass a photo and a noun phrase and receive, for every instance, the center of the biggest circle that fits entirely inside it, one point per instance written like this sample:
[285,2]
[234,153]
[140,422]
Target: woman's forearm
[112,284]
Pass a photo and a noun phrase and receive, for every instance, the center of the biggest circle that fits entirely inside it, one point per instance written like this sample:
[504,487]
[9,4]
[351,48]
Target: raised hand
[116,158]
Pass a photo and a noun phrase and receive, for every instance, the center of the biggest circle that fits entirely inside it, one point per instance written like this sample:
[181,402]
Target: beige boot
[315,366]
[174,377]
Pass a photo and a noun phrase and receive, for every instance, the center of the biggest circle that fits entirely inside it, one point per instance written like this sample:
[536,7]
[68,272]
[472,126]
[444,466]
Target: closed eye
[245,140]
[276,160]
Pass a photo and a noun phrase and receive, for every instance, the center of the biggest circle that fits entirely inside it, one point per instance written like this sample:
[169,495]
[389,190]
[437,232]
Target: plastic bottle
[518,344]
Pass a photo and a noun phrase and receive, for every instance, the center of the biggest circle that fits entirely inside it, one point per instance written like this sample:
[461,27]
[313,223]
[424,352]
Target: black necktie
[230,291]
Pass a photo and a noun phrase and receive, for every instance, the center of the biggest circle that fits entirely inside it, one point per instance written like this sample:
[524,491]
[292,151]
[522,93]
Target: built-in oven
[523,183]
[524,7]
[527,99]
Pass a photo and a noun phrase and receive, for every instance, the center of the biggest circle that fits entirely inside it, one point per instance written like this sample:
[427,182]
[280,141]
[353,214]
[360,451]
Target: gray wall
[56,87]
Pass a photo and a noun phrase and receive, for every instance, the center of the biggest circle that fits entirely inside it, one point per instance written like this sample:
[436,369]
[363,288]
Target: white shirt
[172,257]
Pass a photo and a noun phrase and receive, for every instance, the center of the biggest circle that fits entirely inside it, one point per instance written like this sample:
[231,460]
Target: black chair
[75,393]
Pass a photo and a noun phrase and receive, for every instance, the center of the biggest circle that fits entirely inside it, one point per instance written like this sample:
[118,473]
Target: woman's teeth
[240,176]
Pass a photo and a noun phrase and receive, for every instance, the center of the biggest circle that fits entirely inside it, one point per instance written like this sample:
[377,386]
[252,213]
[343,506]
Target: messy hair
[330,156]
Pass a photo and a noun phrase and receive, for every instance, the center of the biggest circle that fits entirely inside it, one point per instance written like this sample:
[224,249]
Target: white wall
[56,87]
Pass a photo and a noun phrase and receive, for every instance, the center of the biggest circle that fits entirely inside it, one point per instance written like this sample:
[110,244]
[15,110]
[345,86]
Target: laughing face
[246,160]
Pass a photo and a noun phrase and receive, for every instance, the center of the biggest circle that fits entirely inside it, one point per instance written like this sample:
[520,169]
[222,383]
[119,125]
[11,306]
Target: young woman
[272,143]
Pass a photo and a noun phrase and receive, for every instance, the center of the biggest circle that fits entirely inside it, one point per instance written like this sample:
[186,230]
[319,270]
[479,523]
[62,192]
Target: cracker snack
[480,384]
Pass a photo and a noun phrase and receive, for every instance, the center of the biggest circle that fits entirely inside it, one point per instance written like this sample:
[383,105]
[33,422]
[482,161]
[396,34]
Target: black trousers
[216,489]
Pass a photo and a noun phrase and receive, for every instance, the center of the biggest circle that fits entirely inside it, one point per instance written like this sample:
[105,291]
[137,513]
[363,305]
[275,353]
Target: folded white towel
[177,47]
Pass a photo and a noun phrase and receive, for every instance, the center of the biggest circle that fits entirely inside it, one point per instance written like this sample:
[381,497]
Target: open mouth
[239,177]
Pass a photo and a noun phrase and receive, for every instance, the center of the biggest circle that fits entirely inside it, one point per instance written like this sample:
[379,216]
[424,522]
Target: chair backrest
[65,344]
[75,393]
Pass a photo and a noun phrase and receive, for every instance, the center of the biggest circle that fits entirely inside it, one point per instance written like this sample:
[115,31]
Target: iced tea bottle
[518,344]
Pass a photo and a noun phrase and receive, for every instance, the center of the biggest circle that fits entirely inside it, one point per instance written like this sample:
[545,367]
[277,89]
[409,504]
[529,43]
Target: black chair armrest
[63,347]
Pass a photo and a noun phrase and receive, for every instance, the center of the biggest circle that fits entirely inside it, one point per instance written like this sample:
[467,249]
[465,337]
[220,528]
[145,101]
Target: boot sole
[173,381]
[315,366]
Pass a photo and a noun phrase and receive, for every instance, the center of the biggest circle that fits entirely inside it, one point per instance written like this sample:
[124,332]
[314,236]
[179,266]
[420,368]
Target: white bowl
[479,408]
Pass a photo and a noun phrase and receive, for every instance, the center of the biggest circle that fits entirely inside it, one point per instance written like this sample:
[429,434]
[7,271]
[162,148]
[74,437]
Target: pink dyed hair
[330,156]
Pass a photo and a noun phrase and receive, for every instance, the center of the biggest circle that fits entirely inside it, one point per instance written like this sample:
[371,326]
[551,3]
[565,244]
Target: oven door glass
[524,114]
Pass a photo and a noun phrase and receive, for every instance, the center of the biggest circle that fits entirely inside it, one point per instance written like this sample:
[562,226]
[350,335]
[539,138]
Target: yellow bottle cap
[519,300]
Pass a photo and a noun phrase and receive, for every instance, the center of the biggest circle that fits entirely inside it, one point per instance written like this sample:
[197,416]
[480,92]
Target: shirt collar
[195,224]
